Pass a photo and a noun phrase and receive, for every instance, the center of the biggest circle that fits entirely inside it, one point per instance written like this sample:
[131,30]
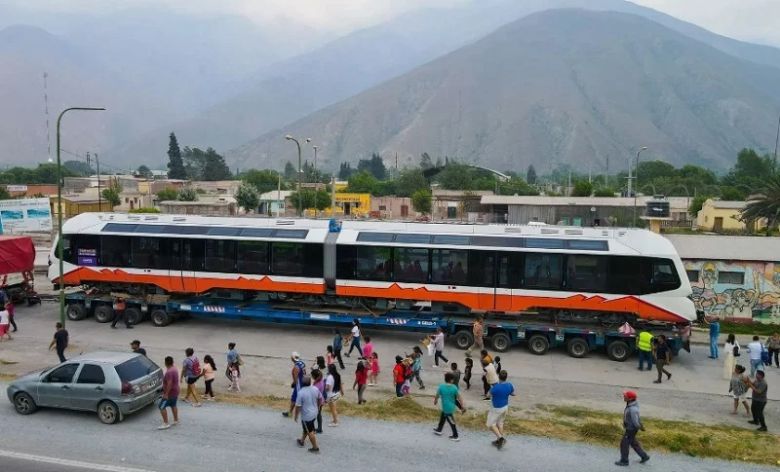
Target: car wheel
[108,412]
[104,313]
[24,404]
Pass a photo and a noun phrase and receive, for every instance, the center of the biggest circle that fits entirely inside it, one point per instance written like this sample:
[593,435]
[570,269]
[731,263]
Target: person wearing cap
[298,372]
[632,424]
[119,313]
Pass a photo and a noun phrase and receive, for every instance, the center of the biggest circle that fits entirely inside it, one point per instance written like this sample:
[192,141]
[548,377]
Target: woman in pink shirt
[368,348]
[209,372]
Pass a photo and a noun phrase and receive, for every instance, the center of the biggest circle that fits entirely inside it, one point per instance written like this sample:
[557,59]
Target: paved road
[222,437]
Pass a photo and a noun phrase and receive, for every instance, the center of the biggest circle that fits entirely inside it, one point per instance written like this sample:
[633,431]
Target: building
[723,216]
[275,203]
[460,205]
[350,204]
[73,205]
[216,187]
[393,207]
[205,206]
[733,276]
[31,190]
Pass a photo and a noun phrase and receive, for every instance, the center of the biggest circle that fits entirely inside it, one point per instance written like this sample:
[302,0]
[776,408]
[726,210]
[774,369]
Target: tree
[188,194]
[530,175]
[345,171]
[111,194]
[289,171]
[214,167]
[456,176]
[144,171]
[4,195]
[81,169]
[649,170]
[375,166]
[516,186]
[582,188]
[167,194]
[175,163]
[766,205]
[731,193]
[604,192]
[318,200]
[263,180]
[145,210]
[425,161]
[362,182]
[421,201]
[247,197]
[410,181]
[696,204]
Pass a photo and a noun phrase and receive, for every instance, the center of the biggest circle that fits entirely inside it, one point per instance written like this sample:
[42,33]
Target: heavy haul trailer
[500,332]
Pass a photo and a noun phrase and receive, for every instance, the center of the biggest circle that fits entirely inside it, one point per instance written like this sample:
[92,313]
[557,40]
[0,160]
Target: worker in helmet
[632,424]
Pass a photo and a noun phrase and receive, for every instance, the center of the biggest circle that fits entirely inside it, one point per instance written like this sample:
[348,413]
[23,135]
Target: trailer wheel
[501,342]
[133,315]
[104,313]
[618,351]
[464,339]
[161,317]
[76,312]
[538,344]
[578,347]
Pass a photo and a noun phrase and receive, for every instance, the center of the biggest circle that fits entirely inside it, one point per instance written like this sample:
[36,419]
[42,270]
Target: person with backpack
[298,372]
[191,371]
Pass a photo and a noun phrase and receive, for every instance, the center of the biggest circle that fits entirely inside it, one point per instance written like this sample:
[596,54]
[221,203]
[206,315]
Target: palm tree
[764,205]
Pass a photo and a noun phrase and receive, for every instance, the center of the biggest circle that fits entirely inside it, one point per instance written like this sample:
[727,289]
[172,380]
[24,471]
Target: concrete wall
[572,215]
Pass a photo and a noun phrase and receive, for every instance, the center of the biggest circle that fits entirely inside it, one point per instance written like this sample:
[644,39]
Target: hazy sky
[749,20]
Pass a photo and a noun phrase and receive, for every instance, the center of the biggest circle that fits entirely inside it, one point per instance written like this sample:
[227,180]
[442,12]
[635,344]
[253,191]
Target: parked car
[113,384]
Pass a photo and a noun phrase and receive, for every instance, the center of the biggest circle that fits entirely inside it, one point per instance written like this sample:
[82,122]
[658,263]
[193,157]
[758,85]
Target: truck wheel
[161,317]
[578,347]
[104,313]
[501,342]
[464,339]
[538,344]
[133,316]
[76,312]
[618,351]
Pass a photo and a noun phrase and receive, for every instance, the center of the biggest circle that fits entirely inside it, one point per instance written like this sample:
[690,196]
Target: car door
[54,389]
[89,387]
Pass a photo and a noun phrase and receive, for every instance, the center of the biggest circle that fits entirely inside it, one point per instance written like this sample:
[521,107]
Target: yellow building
[721,215]
[73,205]
[356,205]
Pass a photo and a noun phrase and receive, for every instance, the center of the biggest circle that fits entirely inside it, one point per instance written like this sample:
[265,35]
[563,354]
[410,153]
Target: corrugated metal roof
[731,248]
[674,202]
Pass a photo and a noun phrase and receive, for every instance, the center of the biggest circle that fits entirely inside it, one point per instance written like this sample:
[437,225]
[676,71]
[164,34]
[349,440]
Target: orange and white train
[581,274]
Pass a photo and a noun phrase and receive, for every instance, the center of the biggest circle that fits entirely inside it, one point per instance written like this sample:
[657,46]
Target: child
[450,399]
[360,381]
[497,363]
[738,387]
[406,387]
[209,372]
[321,363]
[455,374]
[467,372]
[373,373]
[368,348]
[330,357]
[417,357]
[10,308]
[234,376]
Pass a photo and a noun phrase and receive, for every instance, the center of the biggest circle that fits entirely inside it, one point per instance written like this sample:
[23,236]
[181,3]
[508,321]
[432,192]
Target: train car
[569,274]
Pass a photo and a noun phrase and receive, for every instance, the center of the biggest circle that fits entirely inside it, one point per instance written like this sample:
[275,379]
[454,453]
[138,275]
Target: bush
[145,210]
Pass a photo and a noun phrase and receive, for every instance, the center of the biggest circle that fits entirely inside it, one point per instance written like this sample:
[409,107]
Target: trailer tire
[133,315]
[501,342]
[618,351]
[76,311]
[538,344]
[578,347]
[104,313]
[464,339]
[161,317]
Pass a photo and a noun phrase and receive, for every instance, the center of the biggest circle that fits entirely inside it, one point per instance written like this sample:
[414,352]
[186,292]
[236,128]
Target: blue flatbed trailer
[501,332]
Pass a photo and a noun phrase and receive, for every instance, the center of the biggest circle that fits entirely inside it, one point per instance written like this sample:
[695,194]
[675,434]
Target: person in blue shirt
[499,396]
[714,334]
[337,346]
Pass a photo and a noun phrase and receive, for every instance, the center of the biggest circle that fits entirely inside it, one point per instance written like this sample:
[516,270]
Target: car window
[135,368]
[91,374]
[62,374]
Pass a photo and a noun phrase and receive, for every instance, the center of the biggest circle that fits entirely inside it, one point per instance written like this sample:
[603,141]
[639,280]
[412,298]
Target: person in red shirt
[361,378]
[170,394]
[399,375]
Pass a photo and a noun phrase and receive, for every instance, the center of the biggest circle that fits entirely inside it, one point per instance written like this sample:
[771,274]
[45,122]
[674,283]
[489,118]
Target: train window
[220,256]
[151,229]
[291,233]
[144,252]
[113,251]
[84,249]
[313,260]
[497,241]
[253,257]
[544,243]
[193,254]
[118,228]
[449,266]
[510,269]
[543,271]
[411,265]
[587,245]
[346,257]
[287,258]
[482,268]
[454,240]
[374,263]
[586,273]
[170,257]
[223,231]
[375,237]
[413,238]
[256,232]
[664,276]
[67,249]
[625,276]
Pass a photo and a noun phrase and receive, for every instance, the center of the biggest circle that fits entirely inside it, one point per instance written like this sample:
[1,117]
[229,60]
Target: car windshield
[135,368]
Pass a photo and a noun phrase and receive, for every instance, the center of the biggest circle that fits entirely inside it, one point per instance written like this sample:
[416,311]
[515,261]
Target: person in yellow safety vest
[644,343]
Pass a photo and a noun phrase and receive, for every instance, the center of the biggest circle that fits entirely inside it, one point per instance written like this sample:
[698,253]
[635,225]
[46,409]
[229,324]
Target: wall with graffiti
[718,290]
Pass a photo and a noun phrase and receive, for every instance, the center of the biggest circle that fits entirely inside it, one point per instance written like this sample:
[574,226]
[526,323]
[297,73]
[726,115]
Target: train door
[509,279]
[172,254]
[193,256]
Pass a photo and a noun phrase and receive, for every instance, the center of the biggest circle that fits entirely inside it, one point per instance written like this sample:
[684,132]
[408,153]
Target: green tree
[4,195]
[145,210]
[144,171]
[263,180]
[247,197]
[410,181]
[731,193]
[766,205]
[375,166]
[649,170]
[604,192]
[167,194]
[582,188]
[81,169]
[318,200]
[362,182]
[425,161]
[214,167]
[289,172]
[456,176]
[421,201]
[175,163]
[188,194]
[530,175]
[345,171]
[696,204]
[111,194]
[516,186]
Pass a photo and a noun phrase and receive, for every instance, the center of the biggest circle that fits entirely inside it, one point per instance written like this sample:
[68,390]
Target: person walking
[663,357]
[477,330]
[60,341]
[355,339]
[714,335]
[772,344]
[755,348]
[730,354]
[135,345]
[333,393]
[373,374]
[758,402]
[738,388]
[209,373]
[438,346]
[399,376]
[644,345]
[232,358]
[191,372]
[456,373]
[338,344]
[5,325]
[318,381]
[467,372]
[490,378]
[119,313]
[450,398]
[361,378]
[307,405]
[368,348]
[298,372]
[417,357]
[170,394]
[632,424]
[499,395]
[9,306]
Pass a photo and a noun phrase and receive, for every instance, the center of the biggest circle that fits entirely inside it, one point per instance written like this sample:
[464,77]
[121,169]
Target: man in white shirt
[438,346]
[755,349]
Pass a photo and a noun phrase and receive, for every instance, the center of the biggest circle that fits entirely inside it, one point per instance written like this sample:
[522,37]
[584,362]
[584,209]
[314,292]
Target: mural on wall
[757,298]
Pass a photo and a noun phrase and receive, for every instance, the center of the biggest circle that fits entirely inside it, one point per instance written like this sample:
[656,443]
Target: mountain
[561,86]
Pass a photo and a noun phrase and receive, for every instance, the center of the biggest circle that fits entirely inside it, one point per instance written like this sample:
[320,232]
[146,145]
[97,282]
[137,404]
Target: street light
[59,209]
[636,176]
[300,197]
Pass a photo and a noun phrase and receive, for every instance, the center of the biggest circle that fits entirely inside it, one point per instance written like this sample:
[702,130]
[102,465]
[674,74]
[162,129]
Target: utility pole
[636,173]
[300,197]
